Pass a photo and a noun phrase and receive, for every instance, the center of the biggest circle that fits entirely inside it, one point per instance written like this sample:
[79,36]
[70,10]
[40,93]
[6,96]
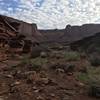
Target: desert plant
[39,61]
[91,77]
[34,67]
[83,77]
[33,64]
[72,56]
[25,60]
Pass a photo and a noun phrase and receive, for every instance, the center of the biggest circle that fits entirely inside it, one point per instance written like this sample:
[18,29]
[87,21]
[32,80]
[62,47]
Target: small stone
[34,88]
[17,83]
[52,95]
[70,92]
[9,76]
[80,84]
[45,80]
[40,98]
[43,54]
[69,73]
[59,70]
[36,91]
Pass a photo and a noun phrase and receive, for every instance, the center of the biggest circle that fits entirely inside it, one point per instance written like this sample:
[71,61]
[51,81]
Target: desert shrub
[34,67]
[37,63]
[33,64]
[27,65]
[25,60]
[83,77]
[92,80]
[72,56]
[92,76]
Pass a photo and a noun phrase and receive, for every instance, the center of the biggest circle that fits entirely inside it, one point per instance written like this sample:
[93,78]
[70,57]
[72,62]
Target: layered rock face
[11,28]
[75,33]
[18,34]
[70,33]
[89,44]
[52,36]
[28,30]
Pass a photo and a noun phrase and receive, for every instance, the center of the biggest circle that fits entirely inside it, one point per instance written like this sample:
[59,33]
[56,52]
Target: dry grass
[72,56]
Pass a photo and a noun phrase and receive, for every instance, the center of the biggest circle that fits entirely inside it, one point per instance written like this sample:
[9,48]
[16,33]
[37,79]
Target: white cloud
[56,13]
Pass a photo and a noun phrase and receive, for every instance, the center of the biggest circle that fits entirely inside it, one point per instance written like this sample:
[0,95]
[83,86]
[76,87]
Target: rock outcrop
[18,34]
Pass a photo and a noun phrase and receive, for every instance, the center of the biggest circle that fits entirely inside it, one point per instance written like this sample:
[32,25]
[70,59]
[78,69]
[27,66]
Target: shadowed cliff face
[52,36]
[70,33]
[76,33]
[90,44]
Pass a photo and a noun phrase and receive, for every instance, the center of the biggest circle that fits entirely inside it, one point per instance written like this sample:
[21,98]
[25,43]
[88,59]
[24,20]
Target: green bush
[72,56]
[92,76]
[92,80]
[34,67]
[32,64]
[39,61]
[83,77]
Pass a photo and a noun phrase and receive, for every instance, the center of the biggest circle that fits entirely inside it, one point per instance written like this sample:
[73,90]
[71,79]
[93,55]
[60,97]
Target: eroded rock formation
[17,34]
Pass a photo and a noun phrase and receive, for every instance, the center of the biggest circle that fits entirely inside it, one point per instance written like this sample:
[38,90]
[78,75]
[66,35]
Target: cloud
[53,13]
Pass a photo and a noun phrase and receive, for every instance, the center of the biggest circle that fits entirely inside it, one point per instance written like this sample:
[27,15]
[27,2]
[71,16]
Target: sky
[52,14]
